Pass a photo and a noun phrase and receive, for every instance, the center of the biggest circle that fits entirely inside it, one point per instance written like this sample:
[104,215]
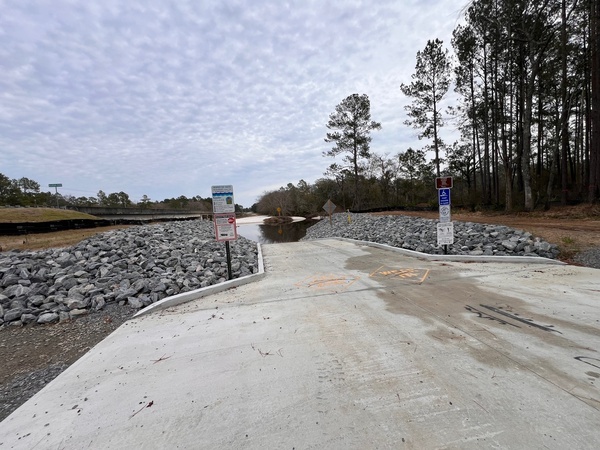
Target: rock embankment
[136,266]
[418,234]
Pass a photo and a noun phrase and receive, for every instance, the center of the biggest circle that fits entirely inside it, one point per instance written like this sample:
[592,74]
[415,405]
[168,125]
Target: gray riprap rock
[134,302]
[47,318]
[509,245]
[145,262]
[28,318]
[78,312]
[13,314]
[420,234]
[79,302]
[16,290]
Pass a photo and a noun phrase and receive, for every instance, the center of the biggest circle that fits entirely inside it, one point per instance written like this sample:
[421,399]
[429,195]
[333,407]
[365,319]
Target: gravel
[132,267]
[419,234]
[589,258]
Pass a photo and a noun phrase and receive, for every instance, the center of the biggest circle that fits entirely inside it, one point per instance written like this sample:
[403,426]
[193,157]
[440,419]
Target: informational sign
[443,182]
[55,185]
[444,197]
[225,227]
[445,228]
[222,199]
[445,233]
[445,214]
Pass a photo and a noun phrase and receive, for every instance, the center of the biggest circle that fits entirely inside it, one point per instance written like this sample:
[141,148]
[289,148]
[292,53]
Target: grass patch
[19,215]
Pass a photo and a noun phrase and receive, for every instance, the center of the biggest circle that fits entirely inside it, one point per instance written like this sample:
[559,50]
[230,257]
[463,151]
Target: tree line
[27,192]
[527,77]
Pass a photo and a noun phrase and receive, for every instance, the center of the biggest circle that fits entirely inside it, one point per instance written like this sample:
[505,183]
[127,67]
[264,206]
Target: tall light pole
[56,186]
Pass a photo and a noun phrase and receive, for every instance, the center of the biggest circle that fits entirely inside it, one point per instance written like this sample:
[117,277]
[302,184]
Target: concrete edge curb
[196,294]
[457,258]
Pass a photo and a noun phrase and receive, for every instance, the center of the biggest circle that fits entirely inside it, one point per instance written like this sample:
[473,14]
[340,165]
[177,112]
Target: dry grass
[57,239]
[19,215]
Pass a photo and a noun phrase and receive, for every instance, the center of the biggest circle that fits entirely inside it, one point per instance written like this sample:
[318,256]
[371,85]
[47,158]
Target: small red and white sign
[225,227]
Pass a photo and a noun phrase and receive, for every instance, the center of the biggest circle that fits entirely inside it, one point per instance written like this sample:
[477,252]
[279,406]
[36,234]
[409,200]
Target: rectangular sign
[443,182]
[222,198]
[55,185]
[444,197]
[445,214]
[445,233]
[225,227]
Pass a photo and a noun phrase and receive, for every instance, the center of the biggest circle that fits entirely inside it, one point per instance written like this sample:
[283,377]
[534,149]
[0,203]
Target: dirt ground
[33,355]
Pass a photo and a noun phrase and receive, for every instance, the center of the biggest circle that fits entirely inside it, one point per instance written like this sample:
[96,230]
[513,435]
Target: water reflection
[272,234]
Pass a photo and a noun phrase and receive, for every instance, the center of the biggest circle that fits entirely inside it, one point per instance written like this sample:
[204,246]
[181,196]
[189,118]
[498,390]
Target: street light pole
[56,186]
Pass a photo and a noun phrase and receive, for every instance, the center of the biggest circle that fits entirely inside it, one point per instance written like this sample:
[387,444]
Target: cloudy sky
[169,97]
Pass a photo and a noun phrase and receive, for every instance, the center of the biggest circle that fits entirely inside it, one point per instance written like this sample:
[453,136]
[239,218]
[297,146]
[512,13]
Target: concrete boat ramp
[341,345]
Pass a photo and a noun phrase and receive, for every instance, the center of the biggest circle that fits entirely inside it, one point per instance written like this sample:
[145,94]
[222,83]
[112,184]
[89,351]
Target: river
[272,234]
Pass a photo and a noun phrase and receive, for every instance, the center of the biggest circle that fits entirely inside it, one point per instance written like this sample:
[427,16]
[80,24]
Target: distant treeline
[27,192]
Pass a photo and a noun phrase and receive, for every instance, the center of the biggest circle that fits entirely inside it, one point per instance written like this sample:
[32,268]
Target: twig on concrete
[481,407]
[148,405]
[162,358]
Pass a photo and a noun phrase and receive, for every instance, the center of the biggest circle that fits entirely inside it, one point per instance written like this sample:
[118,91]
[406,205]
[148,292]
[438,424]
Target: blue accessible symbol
[444,197]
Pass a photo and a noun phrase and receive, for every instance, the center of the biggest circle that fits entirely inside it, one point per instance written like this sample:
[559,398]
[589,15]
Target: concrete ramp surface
[342,346]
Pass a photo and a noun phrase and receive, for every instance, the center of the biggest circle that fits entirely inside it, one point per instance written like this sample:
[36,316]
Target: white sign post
[224,218]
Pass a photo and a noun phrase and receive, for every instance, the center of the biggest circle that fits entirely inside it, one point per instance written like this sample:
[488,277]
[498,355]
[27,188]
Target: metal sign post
[224,219]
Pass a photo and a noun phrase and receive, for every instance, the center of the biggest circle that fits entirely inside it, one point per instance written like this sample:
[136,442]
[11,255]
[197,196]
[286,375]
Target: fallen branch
[162,358]
[140,410]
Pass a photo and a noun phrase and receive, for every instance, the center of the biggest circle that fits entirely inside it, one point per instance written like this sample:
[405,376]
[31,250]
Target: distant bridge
[142,214]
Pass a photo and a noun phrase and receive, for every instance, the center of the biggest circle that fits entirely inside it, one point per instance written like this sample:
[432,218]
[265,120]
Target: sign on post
[222,197]
[224,216]
[225,227]
[445,214]
[445,233]
[443,182]
[444,197]
[444,204]
[445,228]
[329,206]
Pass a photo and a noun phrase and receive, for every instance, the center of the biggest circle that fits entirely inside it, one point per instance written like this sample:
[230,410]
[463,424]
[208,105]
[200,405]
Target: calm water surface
[272,234]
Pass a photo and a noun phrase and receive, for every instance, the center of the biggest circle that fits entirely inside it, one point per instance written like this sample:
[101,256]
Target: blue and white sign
[444,197]
[222,197]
